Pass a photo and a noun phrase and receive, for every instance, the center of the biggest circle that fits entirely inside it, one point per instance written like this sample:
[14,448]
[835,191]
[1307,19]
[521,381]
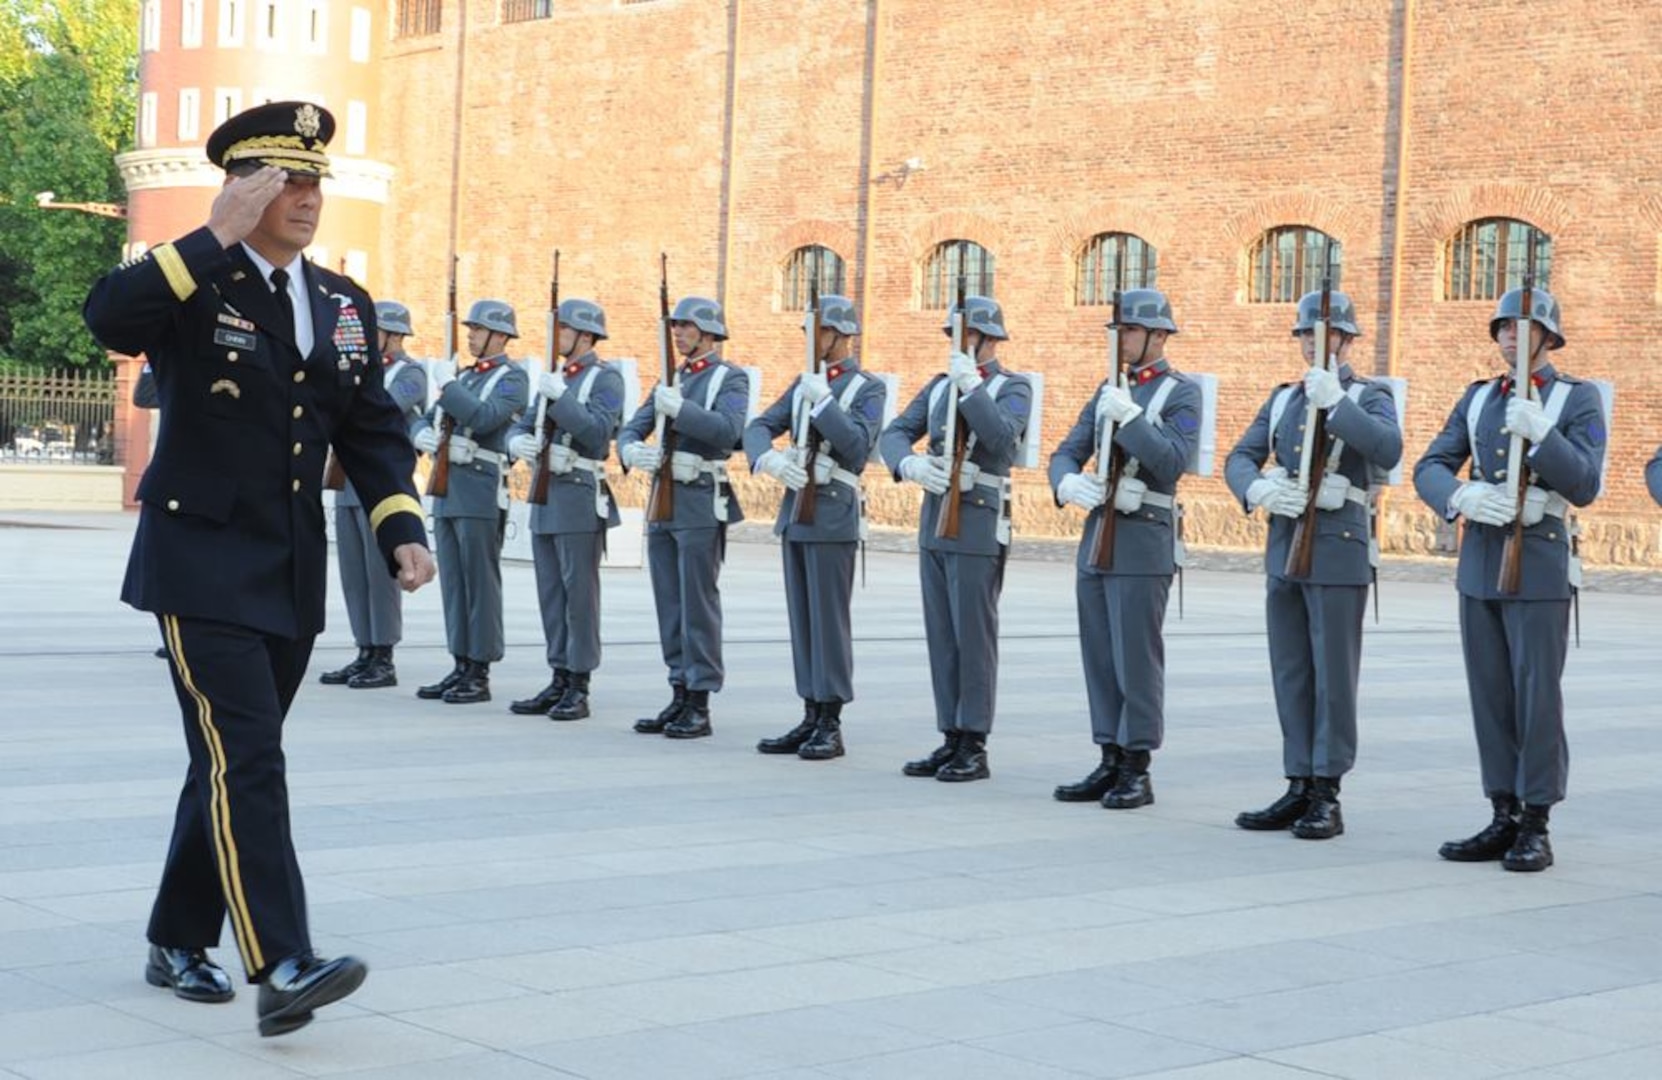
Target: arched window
[810,263]
[1112,260]
[940,272]
[1287,261]
[1486,257]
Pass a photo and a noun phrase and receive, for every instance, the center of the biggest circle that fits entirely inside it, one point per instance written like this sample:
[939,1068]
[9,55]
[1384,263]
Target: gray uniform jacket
[997,426]
[1567,462]
[485,419]
[1373,446]
[846,436]
[588,430]
[408,390]
[1653,476]
[1143,541]
[711,433]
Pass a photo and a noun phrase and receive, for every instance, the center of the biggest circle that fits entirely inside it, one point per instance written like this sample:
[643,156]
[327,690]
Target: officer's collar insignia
[485,365]
[307,120]
[225,386]
[835,371]
[693,367]
[1147,372]
[574,368]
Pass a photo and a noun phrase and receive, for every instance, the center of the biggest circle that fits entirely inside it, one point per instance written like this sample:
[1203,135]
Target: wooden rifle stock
[1312,465]
[1511,554]
[334,474]
[956,443]
[438,480]
[545,422]
[1110,459]
[807,439]
[660,501]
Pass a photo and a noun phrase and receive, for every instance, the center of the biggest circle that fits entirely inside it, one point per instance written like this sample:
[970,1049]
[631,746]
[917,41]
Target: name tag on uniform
[235,339]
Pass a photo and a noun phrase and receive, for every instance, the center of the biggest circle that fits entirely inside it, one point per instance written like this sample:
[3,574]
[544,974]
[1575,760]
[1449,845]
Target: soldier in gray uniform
[705,410]
[962,578]
[1515,644]
[1122,609]
[1653,477]
[374,604]
[580,406]
[842,409]
[1315,622]
[479,403]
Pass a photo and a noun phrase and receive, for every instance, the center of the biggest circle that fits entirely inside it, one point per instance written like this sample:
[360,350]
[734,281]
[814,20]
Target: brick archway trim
[1443,217]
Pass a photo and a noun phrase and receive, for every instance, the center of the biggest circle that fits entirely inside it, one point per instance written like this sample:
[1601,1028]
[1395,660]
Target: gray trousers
[470,584]
[1122,642]
[1315,636]
[819,588]
[568,595]
[1515,652]
[686,590]
[960,623]
[374,603]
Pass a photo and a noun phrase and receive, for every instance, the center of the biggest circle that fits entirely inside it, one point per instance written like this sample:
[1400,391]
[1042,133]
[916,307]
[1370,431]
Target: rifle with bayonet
[955,438]
[545,422]
[1517,450]
[660,501]
[1312,455]
[807,439]
[438,481]
[1110,459]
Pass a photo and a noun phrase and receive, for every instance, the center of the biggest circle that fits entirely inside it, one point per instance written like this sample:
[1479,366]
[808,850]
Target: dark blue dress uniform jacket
[231,526]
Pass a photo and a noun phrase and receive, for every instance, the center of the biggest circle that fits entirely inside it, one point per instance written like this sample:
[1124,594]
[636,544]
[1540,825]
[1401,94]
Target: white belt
[1000,484]
[497,459]
[706,467]
[844,476]
[589,465]
[1154,498]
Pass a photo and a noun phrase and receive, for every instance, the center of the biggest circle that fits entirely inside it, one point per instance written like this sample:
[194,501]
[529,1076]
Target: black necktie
[285,303]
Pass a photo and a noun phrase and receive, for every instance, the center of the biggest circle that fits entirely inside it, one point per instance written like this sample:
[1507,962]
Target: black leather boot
[1321,819]
[473,687]
[299,985]
[1531,850]
[1132,786]
[969,762]
[1097,783]
[378,673]
[792,740]
[342,676]
[1495,838]
[694,721]
[574,702]
[931,763]
[1281,813]
[189,974]
[654,725]
[435,691]
[826,742]
[539,703]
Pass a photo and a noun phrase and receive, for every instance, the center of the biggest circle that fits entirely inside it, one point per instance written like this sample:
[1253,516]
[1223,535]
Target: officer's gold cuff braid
[174,269]
[394,504]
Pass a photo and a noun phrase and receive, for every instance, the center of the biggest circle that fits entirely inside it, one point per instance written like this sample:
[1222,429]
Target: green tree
[68,84]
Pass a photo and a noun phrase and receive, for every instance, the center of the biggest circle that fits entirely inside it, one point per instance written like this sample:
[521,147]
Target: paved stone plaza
[552,901]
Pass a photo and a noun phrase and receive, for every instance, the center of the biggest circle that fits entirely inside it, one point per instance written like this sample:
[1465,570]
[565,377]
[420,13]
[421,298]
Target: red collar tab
[1536,379]
[834,372]
[986,371]
[484,366]
[574,367]
[693,367]
[390,359]
[1149,373]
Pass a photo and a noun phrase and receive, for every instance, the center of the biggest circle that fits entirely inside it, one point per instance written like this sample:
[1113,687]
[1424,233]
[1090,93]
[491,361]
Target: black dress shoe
[1281,813]
[300,984]
[1132,786]
[693,722]
[435,691]
[473,687]
[826,740]
[792,740]
[344,675]
[189,973]
[931,763]
[539,703]
[969,762]
[574,702]
[1097,783]
[378,673]
[1321,819]
[1493,840]
[1531,851]
[654,725]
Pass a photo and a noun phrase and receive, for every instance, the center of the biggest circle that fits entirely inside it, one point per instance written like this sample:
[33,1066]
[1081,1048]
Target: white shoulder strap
[586,387]
[1554,407]
[1278,409]
[1474,412]
[717,377]
[846,400]
[1355,392]
[1157,404]
[393,372]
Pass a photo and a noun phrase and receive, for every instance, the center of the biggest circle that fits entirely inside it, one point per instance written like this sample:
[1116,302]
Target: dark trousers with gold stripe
[231,853]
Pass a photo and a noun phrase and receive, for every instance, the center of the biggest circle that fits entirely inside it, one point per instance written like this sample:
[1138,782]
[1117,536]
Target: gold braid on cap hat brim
[289,152]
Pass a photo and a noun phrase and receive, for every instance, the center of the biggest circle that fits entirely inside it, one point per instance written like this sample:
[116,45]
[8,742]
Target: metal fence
[58,417]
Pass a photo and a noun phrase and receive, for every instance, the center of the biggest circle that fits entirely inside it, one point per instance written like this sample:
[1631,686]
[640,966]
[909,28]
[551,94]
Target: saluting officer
[963,578]
[1315,621]
[837,412]
[476,406]
[1122,609]
[577,411]
[373,606]
[262,360]
[1515,644]
[706,410]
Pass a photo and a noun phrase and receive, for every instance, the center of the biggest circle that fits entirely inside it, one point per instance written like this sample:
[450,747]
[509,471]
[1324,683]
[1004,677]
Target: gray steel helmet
[1542,308]
[1341,313]
[393,317]
[703,313]
[981,313]
[836,312]
[497,316]
[1147,308]
[584,316]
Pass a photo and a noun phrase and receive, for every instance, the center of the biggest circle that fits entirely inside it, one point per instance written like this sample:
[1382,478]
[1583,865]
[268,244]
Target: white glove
[426,441]
[1322,388]
[815,387]
[524,446]
[550,385]
[1083,491]
[444,373]
[643,456]
[667,400]
[561,459]
[460,449]
[783,468]
[964,373]
[1276,496]
[929,473]
[1115,403]
[1486,504]
[1528,419]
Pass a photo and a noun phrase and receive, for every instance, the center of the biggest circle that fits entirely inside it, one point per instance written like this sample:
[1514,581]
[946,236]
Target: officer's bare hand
[241,202]
[415,566]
